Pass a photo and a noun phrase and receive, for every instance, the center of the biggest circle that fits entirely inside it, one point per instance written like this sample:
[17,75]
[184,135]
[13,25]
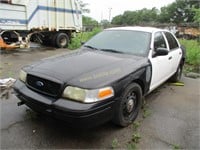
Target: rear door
[175,51]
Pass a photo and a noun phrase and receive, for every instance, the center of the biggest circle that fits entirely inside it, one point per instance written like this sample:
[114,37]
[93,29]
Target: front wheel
[128,106]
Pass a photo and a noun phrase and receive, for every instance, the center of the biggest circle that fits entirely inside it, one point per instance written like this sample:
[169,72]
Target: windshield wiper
[106,50]
[111,50]
[91,47]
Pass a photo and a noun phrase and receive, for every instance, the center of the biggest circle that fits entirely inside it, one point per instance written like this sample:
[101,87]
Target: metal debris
[5,87]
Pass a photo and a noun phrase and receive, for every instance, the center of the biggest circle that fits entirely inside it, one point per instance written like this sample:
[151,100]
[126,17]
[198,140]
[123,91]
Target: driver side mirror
[161,51]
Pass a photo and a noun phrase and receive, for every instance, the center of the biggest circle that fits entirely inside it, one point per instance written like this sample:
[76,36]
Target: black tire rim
[130,105]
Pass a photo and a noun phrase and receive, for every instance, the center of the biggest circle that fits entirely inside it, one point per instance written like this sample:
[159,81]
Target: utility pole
[101,16]
[110,9]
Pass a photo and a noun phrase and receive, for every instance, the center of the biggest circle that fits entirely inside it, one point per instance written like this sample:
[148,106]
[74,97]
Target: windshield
[121,41]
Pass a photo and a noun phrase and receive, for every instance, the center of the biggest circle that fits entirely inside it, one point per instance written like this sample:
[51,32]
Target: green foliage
[176,147]
[117,20]
[136,17]
[146,111]
[115,143]
[136,124]
[88,21]
[192,52]
[180,11]
[131,146]
[82,37]
[197,15]
[105,23]
[136,137]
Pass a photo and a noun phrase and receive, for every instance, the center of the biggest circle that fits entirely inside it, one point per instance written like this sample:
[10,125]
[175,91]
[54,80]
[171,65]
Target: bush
[192,52]
[82,37]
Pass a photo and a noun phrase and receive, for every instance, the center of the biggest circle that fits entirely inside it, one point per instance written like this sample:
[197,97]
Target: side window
[5,1]
[171,40]
[159,41]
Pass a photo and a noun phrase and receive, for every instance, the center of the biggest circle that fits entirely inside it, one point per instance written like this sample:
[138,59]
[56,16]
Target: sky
[99,9]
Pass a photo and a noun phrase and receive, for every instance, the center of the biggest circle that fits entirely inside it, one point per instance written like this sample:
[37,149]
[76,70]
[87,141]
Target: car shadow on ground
[58,134]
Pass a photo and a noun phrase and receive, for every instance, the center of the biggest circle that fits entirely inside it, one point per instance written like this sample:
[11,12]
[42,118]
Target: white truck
[47,21]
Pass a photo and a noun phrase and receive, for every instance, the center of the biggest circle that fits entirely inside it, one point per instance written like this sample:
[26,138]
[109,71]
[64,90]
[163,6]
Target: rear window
[171,40]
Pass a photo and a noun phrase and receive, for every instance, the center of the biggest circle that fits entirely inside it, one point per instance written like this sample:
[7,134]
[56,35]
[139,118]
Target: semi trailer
[50,22]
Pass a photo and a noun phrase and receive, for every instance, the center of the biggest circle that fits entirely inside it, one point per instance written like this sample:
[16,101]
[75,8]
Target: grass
[146,113]
[82,37]
[136,137]
[136,125]
[176,147]
[131,146]
[115,143]
[192,54]
[146,110]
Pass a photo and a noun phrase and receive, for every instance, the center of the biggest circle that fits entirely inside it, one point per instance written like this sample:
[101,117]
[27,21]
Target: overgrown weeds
[192,54]
[82,37]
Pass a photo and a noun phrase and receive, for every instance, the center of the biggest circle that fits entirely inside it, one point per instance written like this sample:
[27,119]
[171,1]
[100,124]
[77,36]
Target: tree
[83,6]
[88,21]
[197,15]
[117,20]
[136,17]
[179,11]
[105,23]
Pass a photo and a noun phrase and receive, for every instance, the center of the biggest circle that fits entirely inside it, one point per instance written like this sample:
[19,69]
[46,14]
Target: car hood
[87,68]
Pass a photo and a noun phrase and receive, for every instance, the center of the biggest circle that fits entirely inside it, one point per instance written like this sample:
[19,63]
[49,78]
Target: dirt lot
[169,120]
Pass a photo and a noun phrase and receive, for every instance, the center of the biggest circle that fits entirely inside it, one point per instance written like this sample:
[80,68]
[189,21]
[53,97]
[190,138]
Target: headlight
[22,75]
[88,96]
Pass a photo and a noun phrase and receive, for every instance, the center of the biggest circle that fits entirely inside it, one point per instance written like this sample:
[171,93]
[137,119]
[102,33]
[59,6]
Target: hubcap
[63,41]
[129,105]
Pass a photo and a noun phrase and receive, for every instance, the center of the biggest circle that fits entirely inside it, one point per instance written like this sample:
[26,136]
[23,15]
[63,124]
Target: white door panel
[161,65]
[176,57]
[160,70]
[175,51]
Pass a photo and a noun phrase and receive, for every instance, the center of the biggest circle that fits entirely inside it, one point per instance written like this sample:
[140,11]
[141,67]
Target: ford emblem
[39,83]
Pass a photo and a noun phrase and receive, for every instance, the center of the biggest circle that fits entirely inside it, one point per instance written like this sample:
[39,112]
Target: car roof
[138,28]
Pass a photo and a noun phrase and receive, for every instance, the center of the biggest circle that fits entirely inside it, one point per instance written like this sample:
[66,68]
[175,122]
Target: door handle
[170,57]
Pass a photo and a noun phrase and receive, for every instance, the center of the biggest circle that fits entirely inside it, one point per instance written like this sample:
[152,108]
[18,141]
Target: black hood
[87,68]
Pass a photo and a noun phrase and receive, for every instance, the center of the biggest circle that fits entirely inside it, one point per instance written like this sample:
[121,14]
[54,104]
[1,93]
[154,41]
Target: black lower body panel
[74,113]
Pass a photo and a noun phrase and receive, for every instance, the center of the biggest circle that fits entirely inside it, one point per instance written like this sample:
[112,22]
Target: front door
[161,66]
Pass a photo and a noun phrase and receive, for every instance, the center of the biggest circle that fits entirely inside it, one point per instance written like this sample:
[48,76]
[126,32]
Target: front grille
[43,86]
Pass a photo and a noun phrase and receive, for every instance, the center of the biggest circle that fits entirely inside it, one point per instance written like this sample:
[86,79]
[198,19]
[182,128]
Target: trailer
[46,21]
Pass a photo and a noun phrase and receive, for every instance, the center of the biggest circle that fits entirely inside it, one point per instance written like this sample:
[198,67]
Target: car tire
[128,106]
[62,40]
[177,76]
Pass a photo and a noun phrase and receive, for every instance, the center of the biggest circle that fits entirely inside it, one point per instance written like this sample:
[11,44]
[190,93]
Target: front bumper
[74,113]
